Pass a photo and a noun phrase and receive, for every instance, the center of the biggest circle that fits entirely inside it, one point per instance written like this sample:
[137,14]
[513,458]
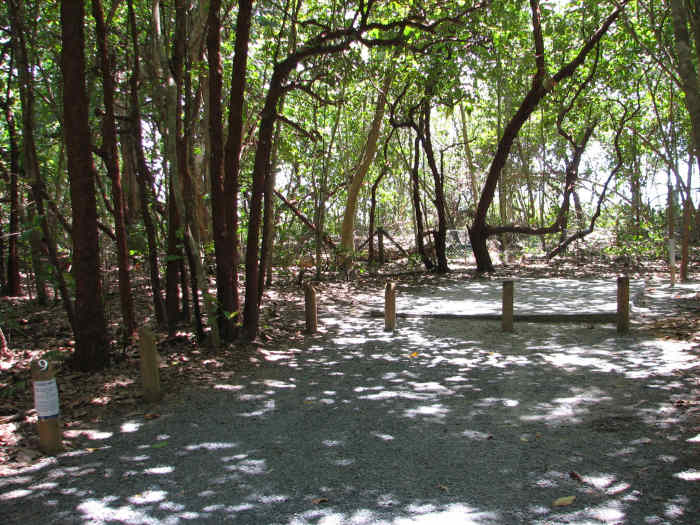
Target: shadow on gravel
[441,422]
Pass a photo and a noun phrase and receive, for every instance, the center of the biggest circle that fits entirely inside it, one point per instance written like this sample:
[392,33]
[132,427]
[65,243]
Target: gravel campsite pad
[445,421]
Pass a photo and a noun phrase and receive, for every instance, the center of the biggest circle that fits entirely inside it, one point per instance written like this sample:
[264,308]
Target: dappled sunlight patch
[609,512]
[88,433]
[148,496]
[566,410]
[15,494]
[215,445]
[676,508]
[249,466]
[100,511]
[229,388]
[435,411]
[136,459]
[689,475]
[130,426]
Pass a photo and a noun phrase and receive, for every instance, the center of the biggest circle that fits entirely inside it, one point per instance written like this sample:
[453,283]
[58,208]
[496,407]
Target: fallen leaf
[160,445]
[563,502]
[443,488]
[152,415]
[318,501]
[414,354]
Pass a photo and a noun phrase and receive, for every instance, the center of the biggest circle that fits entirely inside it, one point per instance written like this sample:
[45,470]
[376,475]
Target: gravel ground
[444,421]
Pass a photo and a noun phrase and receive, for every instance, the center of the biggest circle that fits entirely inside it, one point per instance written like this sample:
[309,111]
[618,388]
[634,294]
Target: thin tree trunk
[269,209]
[146,194]
[347,232]
[470,160]
[441,232]
[372,210]
[180,179]
[90,327]
[111,153]
[172,265]
[418,214]
[31,162]
[13,287]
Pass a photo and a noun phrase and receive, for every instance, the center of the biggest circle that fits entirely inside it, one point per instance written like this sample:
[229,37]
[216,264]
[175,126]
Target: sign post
[47,406]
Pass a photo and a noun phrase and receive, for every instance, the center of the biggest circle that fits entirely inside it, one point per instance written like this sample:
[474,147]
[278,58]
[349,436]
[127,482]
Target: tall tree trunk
[230,302]
[90,327]
[685,232]
[439,199]
[180,177]
[13,287]
[417,213]
[269,210]
[347,232]
[31,162]
[172,265]
[223,249]
[473,186]
[144,179]
[686,68]
[111,156]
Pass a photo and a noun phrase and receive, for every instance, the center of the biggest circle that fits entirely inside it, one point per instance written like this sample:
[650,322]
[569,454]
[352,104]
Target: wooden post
[623,305]
[390,307]
[507,308]
[47,406]
[380,245]
[150,374]
[311,309]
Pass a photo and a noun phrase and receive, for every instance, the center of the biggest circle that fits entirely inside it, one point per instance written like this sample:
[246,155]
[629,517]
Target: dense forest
[206,147]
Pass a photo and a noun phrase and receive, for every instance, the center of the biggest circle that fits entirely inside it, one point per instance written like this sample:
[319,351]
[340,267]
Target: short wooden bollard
[623,305]
[311,309]
[390,307]
[150,374]
[47,406]
[507,308]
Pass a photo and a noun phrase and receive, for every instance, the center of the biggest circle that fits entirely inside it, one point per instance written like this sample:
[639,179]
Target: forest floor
[92,400]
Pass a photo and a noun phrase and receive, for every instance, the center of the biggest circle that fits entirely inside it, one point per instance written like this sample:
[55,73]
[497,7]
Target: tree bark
[231,302]
[347,232]
[144,179]
[181,180]
[111,153]
[90,327]
[372,211]
[31,162]
[686,69]
[13,286]
[439,200]
[418,214]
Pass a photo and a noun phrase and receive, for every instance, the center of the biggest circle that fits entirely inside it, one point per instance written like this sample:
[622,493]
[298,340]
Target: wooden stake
[47,406]
[390,307]
[311,309]
[623,304]
[150,374]
[507,309]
